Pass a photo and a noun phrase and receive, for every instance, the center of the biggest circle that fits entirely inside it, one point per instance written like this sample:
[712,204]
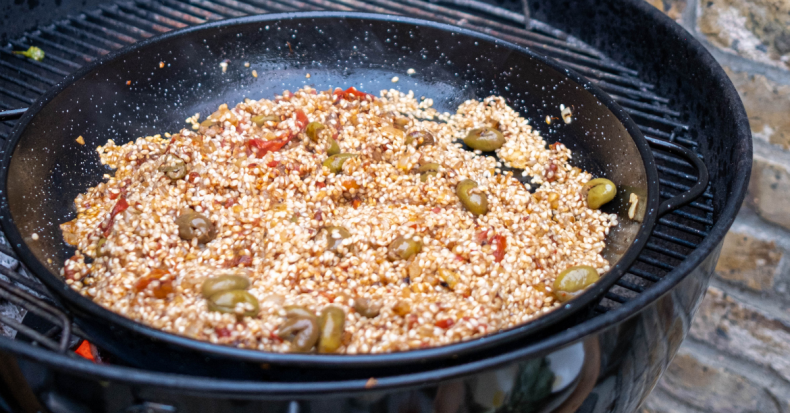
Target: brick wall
[736,358]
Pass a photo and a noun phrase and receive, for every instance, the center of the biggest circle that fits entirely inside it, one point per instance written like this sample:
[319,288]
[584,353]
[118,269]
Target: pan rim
[85,305]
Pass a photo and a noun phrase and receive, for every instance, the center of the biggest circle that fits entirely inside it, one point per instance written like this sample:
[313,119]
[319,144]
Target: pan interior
[157,85]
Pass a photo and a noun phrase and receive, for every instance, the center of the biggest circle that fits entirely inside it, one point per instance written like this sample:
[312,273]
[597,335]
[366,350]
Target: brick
[767,104]
[713,389]
[749,261]
[743,331]
[755,29]
[769,190]
[672,8]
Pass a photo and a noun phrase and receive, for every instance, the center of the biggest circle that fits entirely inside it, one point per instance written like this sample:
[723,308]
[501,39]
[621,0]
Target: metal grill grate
[76,40]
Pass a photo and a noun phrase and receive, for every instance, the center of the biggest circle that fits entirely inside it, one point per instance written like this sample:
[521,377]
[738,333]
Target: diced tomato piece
[436,210]
[261,147]
[500,243]
[320,184]
[356,203]
[301,119]
[272,164]
[446,323]
[482,236]
[222,332]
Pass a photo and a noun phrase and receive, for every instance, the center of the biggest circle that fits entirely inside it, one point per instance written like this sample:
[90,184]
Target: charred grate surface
[76,40]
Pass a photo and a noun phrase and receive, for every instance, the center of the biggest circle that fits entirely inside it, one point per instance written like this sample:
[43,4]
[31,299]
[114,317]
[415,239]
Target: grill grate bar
[631,286]
[82,21]
[658,119]
[627,91]
[217,8]
[682,227]
[208,15]
[27,72]
[656,263]
[173,13]
[644,274]
[147,15]
[66,38]
[109,20]
[117,13]
[635,82]
[706,208]
[24,60]
[76,31]
[626,102]
[21,83]
[674,239]
[17,96]
[248,7]
[681,187]
[665,251]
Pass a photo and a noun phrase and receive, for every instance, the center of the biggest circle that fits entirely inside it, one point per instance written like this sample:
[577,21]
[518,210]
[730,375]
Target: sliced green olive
[599,192]
[485,139]
[300,328]
[312,130]
[331,324]
[226,302]
[336,161]
[366,307]
[334,237]
[192,224]
[298,311]
[475,203]
[574,280]
[100,252]
[428,170]
[174,168]
[301,332]
[334,148]
[400,123]
[209,123]
[261,120]
[423,138]
[403,248]
[225,282]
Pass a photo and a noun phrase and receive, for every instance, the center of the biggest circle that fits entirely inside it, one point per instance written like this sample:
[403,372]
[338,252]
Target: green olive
[428,170]
[331,324]
[400,123]
[599,192]
[334,148]
[301,332]
[485,139]
[174,168]
[334,237]
[193,225]
[476,203]
[209,123]
[574,280]
[300,328]
[423,138]
[225,282]
[366,307]
[336,161]
[100,252]
[312,130]
[403,248]
[261,120]
[226,302]
[298,311]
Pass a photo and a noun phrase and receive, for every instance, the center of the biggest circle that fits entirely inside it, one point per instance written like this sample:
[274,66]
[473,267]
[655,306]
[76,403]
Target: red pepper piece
[84,350]
[501,244]
[119,207]
[446,323]
[349,93]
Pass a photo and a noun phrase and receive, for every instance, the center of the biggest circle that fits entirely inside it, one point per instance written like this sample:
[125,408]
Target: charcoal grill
[611,360]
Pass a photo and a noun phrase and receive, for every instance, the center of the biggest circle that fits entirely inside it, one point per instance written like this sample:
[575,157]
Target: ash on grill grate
[70,43]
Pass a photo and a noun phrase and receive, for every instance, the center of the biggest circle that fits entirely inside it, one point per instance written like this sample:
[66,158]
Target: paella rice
[335,221]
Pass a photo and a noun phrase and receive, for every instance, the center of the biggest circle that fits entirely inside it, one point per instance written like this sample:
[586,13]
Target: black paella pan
[127,94]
